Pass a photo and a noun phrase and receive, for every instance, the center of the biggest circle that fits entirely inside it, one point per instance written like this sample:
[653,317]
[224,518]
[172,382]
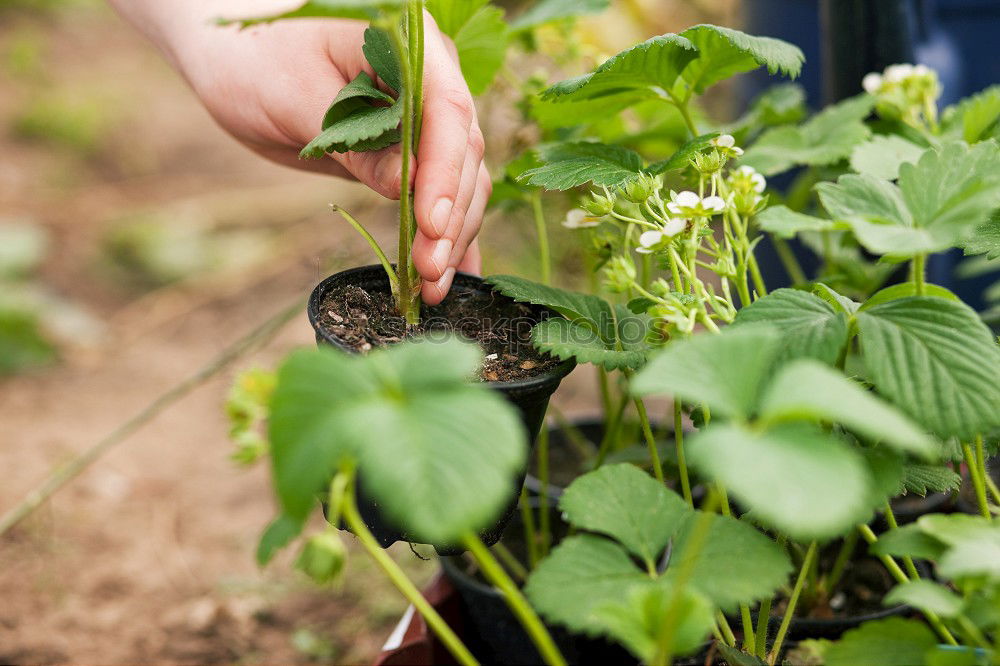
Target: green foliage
[568,165]
[437,452]
[986,238]
[922,479]
[890,642]
[805,482]
[938,202]
[936,360]
[381,54]
[247,407]
[22,342]
[882,155]
[723,52]
[975,118]
[925,596]
[479,32]
[546,11]
[812,327]
[827,138]
[682,156]
[322,557]
[785,222]
[350,9]
[905,290]
[725,372]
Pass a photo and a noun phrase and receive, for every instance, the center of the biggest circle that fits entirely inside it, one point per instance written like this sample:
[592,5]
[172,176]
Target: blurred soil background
[137,240]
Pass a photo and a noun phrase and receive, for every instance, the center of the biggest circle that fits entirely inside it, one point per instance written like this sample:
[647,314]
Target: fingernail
[440,215]
[444,284]
[441,254]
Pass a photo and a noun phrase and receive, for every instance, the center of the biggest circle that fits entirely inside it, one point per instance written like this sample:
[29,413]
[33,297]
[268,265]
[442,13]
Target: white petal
[650,238]
[897,73]
[674,226]
[687,199]
[724,140]
[574,218]
[643,250]
[737,151]
[674,208]
[922,70]
[714,203]
[746,170]
[872,82]
[759,182]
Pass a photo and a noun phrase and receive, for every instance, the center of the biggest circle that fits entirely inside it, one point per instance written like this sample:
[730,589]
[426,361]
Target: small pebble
[492,357]
[528,365]
[491,376]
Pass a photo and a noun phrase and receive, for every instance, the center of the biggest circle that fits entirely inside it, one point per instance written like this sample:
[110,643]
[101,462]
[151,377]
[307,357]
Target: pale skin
[269,86]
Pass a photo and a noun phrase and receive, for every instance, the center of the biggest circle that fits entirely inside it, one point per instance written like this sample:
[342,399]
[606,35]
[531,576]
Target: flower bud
[640,189]
[599,204]
[322,557]
[708,163]
[619,274]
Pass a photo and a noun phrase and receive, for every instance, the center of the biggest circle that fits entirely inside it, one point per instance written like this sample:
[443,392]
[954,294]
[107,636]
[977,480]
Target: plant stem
[793,600]
[528,518]
[869,536]
[647,431]
[515,600]
[405,301]
[975,473]
[917,266]
[415,38]
[992,488]
[612,429]
[758,279]
[749,638]
[789,260]
[516,568]
[403,583]
[543,237]
[605,389]
[763,617]
[544,528]
[890,518]
[682,470]
[685,114]
[384,260]
[840,564]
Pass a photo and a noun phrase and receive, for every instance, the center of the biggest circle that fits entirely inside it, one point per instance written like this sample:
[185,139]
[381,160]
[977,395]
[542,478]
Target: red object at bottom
[412,643]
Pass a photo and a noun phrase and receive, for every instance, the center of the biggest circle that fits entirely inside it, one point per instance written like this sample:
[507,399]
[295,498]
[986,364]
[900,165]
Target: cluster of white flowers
[746,179]
[896,75]
[577,218]
[689,204]
[726,144]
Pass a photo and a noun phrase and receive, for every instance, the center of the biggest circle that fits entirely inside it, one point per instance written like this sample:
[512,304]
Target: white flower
[713,204]
[872,83]
[647,240]
[922,70]
[727,145]
[577,218]
[674,226]
[748,174]
[898,73]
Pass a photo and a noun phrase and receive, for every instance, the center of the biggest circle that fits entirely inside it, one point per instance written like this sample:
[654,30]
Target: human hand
[270,85]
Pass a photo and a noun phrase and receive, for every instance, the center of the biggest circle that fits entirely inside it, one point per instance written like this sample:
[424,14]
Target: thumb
[380,170]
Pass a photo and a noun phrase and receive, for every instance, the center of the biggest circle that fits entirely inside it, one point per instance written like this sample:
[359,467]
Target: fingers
[380,170]
[474,217]
[450,141]
[473,262]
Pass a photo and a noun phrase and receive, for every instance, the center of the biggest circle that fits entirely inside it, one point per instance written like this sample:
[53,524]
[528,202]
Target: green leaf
[905,290]
[738,564]
[381,55]
[781,104]
[438,453]
[864,196]
[353,123]
[922,479]
[22,342]
[279,533]
[838,301]
[581,574]
[975,118]
[936,360]
[682,155]
[785,222]
[985,239]
[810,391]
[723,52]
[926,596]
[908,540]
[828,137]
[882,155]
[798,479]
[566,339]
[350,9]
[625,503]
[724,371]
[973,557]
[640,620]
[811,327]
[546,11]
[736,657]
[569,165]
[586,309]
[632,75]
[479,32]
[890,642]
[955,529]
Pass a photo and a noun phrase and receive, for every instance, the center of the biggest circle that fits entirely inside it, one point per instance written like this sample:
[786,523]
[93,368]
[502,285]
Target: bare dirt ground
[148,556]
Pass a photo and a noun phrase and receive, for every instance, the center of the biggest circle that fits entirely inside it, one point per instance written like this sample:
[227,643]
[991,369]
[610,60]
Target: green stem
[405,301]
[681,459]
[647,431]
[890,564]
[545,532]
[543,237]
[415,37]
[749,637]
[840,564]
[793,600]
[763,616]
[992,488]
[605,389]
[402,583]
[528,518]
[789,260]
[758,279]
[976,474]
[917,266]
[584,447]
[685,114]
[513,565]
[384,260]
[890,518]
[611,432]
[515,600]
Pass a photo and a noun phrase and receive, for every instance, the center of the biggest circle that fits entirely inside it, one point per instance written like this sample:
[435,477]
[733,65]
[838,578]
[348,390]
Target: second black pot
[529,396]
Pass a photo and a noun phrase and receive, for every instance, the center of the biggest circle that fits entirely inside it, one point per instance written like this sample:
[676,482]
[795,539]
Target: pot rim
[312,311]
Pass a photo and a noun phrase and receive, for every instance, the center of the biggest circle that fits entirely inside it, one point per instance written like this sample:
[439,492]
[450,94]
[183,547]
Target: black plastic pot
[530,396]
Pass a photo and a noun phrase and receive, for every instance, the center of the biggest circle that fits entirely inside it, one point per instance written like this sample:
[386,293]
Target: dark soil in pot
[353,311]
